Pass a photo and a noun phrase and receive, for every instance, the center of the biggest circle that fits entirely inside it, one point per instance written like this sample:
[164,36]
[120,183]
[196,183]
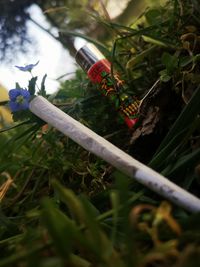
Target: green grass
[67,207]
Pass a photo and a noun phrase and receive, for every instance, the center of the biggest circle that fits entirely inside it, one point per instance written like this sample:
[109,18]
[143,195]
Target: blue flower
[19,99]
[27,67]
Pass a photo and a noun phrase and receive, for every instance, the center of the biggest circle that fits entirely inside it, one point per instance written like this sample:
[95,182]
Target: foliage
[13,18]
[62,206]
[62,15]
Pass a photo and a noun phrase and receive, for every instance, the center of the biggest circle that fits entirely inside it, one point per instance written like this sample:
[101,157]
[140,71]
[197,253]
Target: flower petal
[14,106]
[27,67]
[25,93]
[19,99]
[14,93]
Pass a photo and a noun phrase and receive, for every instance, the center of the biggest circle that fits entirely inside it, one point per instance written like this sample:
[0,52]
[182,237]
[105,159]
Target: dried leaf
[148,124]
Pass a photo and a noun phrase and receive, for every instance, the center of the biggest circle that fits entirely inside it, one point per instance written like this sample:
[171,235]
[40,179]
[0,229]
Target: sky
[54,60]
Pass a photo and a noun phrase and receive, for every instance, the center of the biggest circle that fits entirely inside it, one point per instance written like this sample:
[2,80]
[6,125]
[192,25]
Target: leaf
[191,110]
[66,234]
[77,261]
[185,162]
[148,124]
[55,9]
[159,159]
[21,115]
[17,86]
[28,132]
[14,126]
[115,206]
[102,246]
[31,86]
[153,16]
[164,76]
[170,62]
[60,227]
[71,200]
[156,41]
[174,147]
[94,234]
[184,61]
[139,58]
[42,90]
[83,210]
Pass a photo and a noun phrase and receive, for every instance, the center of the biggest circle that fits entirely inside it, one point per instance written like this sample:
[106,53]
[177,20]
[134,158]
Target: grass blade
[191,110]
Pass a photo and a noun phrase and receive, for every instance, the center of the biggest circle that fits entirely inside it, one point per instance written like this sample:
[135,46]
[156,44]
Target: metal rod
[113,155]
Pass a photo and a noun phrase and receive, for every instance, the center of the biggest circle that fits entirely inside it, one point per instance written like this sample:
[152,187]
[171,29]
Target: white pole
[113,155]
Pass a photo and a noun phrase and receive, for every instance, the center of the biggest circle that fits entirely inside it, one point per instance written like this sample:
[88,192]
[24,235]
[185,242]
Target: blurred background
[29,31]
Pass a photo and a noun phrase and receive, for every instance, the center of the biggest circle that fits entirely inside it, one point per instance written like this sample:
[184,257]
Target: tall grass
[65,207]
